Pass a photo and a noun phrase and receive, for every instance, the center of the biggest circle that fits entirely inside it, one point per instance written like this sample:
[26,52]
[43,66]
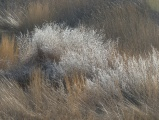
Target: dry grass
[75,84]
[128,23]
[125,94]
[36,88]
[39,102]
[38,12]
[43,102]
[8,51]
[35,13]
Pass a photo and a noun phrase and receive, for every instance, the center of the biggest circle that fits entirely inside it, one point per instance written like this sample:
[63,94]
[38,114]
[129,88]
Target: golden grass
[8,51]
[75,87]
[46,99]
[35,13]
[75,84]
[38,12]
[36,87]
[13,100]
[43,102]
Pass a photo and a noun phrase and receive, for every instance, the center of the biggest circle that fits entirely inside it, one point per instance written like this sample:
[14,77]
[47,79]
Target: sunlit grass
[8,51]
[75,83]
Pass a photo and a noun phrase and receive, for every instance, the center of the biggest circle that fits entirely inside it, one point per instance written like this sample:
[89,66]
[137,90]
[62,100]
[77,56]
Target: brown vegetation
[75,97]
[131,23]
[128,23]
[8,51]
[43,102]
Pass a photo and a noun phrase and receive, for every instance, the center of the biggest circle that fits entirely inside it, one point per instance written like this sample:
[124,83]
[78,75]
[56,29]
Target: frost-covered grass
[64,73]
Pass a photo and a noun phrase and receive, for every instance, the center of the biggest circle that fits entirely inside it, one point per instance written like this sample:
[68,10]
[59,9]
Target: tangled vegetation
[79,59]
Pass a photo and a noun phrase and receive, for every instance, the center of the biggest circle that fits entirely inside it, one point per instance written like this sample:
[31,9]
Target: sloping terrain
[79,60]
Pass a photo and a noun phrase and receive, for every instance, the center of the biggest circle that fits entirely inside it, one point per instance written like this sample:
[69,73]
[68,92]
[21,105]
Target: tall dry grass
[8,51]
[44,102]
[76,76]
[35,13]
[40,101]
[128,23]
[75,84]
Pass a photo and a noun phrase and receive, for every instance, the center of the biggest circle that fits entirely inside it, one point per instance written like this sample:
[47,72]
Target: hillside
[79,60]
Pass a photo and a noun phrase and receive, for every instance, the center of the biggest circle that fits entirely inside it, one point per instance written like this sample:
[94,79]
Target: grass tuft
[8,51]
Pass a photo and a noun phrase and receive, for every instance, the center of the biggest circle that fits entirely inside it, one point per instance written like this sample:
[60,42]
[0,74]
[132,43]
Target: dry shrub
[8,51]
